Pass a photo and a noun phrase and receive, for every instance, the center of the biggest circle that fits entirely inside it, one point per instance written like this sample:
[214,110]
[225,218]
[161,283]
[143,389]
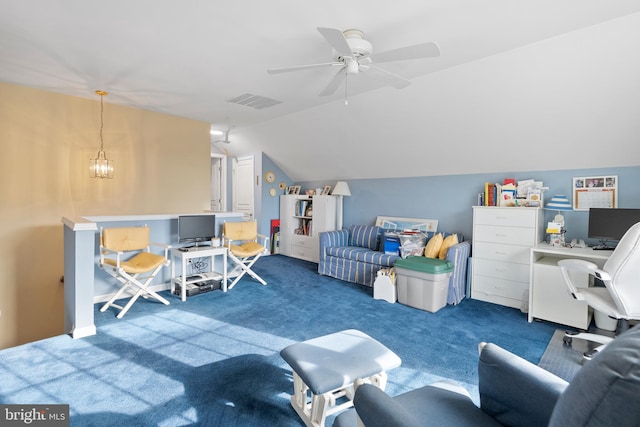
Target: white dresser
[502,240]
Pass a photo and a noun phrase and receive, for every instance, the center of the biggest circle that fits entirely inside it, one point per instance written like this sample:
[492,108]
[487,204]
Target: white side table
[185,255]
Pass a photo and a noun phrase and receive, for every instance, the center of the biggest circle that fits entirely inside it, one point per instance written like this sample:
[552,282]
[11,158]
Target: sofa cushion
[446,244]
[365,236]
[432,250]
[362,255]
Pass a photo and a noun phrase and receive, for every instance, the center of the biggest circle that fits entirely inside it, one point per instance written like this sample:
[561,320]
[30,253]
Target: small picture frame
[294,189]
[326,190]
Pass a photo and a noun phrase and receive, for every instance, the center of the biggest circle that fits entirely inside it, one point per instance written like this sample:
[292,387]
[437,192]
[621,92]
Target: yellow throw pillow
[446,244]
[433,246]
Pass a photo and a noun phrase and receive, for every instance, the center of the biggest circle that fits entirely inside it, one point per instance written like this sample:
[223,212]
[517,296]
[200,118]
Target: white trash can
[605,322]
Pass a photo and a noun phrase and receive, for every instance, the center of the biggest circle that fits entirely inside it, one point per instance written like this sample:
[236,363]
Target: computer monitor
[606,224]
[196,228]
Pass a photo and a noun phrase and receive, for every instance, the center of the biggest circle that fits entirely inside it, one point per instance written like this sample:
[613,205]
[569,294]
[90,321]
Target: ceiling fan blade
[302,67]
[423,50]
[334,83]
[336,40]
[390,78]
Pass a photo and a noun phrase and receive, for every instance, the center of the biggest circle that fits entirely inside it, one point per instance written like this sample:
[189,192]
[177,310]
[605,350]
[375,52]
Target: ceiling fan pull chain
[346,81]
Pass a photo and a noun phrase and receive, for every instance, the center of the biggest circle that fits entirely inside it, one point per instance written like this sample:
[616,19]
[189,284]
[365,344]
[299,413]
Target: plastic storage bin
[423,282]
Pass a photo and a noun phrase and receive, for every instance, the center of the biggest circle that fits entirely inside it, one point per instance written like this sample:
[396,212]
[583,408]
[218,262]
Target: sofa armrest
[515,391]
[333,238]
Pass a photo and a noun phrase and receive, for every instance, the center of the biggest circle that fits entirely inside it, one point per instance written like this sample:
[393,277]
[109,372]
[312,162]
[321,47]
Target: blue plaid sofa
[352,255]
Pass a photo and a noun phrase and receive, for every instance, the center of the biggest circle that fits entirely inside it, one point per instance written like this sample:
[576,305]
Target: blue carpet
[214,359]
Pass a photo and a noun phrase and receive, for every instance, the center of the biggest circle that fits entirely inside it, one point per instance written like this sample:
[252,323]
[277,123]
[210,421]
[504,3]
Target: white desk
[549,298]
[202,252]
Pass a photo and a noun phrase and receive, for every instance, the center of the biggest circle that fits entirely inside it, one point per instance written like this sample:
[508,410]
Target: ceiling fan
[225,133]
[353,54]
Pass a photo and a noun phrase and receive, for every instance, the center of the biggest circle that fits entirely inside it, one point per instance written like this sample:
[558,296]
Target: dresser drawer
[501,270]
[301,240]
[504,289]
[507,235]
[511,217]
[499,252]
[305,252]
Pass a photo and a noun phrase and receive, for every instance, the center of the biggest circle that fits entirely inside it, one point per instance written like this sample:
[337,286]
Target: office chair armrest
[580,266]
[514,390]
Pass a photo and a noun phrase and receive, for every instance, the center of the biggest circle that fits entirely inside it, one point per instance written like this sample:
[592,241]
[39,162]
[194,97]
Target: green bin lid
[425,265]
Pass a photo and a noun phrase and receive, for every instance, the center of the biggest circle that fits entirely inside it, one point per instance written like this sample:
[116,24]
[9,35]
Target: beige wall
[162,165]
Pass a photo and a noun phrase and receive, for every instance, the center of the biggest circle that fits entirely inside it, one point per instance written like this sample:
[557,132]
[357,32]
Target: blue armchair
[514,392]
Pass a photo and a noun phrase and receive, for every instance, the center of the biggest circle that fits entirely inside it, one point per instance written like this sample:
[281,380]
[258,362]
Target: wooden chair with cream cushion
[125,254]
[245,246]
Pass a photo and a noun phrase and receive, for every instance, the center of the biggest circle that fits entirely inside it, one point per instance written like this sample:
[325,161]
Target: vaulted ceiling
[519,85]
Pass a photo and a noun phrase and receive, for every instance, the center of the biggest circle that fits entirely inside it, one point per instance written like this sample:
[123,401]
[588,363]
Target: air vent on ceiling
[254,101]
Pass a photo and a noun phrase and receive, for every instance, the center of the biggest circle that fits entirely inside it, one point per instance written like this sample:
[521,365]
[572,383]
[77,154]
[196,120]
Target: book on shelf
[492,194]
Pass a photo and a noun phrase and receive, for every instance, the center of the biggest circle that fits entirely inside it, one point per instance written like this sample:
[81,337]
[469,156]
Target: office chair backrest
[624,268]
[126,238]
[246,230]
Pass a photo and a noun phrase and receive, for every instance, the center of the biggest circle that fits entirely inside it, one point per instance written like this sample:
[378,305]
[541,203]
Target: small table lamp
[341,189]
[558,203]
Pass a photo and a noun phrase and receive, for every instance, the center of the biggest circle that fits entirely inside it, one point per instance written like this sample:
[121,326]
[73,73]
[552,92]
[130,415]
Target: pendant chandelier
[101,167]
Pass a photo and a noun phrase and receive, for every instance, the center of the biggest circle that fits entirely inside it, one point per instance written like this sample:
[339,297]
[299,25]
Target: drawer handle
[501,270]
[500,253]
[501,235]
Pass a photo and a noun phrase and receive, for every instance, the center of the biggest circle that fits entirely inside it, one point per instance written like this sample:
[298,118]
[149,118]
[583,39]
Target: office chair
[515,392]
[115,244]
[242,242]
[620,296]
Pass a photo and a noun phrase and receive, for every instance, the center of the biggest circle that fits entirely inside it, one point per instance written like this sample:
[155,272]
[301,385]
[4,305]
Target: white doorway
[243,188]
[218,182]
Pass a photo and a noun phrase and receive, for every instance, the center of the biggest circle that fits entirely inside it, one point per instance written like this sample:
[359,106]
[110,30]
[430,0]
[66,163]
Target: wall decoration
[400,224]
[270,177]
[595,192]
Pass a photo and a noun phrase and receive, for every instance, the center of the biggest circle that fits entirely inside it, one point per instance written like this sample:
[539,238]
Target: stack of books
[525,193]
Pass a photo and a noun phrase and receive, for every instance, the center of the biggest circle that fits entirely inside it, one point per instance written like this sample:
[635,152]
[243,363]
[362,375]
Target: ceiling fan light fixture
[216,132]
[353,67]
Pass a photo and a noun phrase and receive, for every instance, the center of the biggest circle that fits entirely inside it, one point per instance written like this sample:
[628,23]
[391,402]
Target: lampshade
[341,189]
[559,203]
[101,167]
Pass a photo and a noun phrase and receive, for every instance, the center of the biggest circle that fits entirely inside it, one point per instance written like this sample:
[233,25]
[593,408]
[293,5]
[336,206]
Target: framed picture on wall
[595,192]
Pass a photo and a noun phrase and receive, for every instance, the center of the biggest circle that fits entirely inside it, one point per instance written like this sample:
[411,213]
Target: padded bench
[331,367]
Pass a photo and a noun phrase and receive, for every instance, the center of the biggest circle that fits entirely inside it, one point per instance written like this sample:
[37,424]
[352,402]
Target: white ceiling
[190,58]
